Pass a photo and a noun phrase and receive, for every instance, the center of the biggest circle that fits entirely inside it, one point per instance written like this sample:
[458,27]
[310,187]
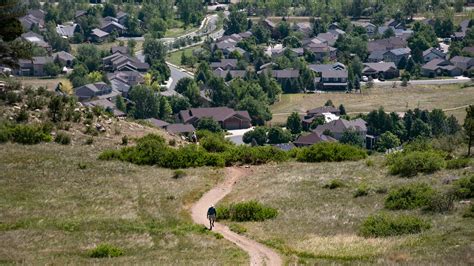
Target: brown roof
[312,138]
[218,114]
[341,125]
[180,128]
[158,123]
[387,44]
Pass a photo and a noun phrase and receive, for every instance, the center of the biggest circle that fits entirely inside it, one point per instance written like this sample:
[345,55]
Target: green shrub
[457,163]
[409,197]
[381,190]
[105,251]
[335,183]
[254,155]
[62,138]
[469,213]
[237,228]
[247,211]
[89,141]
[440,202]
[383,225]
[411,163]
[369,163]
[330,152]
[29,134]
[361,191]
[125,140]
[179,174]
[464,187]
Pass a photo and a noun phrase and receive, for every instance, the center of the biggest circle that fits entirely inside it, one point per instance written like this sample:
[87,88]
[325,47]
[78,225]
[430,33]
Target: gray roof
[461,59]
[377,55]
[312,138]
[401,51]
[380,67]
[66,30]
[341,125]
[326,67]
[64,56]
[158,123]
[180,128]
[224,63]
[99,33]
[434,50]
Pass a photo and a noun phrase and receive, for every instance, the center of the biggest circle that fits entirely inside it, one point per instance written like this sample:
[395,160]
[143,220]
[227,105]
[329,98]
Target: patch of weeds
[381,190]
[89,141]
[237,228]
[105,251]
[217,235]
[361,191]
[469,213]
[125,140]
[335,183]
[458,163]
[82,165]
[369,163]
[62,138]
[179,174]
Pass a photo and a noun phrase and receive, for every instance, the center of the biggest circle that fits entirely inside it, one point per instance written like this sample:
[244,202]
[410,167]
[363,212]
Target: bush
[369,163]
[30,134]
[383,225]
[125,140]
[330,152]
[89,141]
[237,228]
[247,211]
[362,190]
[409,197]
[440,202]
[335,183]
[411,163]
[457,163]
[62,138]
[254,155]
[469,213]
[464,188]
[105,251]
[179,174]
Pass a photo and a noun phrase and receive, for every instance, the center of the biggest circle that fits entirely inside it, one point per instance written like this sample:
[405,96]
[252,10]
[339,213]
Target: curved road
[259,254]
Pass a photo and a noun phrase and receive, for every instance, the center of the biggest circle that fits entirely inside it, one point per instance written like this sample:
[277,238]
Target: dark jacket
[211,211]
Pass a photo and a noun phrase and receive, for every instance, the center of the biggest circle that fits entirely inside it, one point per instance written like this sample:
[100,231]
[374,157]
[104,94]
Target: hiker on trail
[211,215]
[194,137]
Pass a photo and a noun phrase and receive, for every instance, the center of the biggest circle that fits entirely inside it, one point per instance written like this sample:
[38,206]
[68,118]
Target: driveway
[236,135]
[455,80]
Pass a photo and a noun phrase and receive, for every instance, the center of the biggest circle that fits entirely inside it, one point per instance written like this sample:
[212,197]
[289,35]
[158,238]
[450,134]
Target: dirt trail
[259,254]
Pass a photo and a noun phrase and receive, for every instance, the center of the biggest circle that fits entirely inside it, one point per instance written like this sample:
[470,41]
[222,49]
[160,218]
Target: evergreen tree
[293,123]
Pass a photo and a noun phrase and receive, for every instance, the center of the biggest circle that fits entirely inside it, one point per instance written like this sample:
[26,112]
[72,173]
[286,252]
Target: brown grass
[52,211]
[50,83]
[318,225]
[392,99]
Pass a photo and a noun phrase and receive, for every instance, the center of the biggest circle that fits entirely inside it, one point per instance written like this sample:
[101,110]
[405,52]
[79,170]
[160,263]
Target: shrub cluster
[105,251]
[457,163]
[411,163]
[383,225]
[25,134]
[62,138]
[464,187]
[330,152]
[361,191]
[335,183]
[246,211]
[409,197]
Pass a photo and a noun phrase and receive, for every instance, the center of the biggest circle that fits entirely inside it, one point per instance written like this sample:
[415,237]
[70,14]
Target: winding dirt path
[259,254]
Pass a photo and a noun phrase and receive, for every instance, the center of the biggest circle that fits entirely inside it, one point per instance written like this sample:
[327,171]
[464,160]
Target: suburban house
[395,55]
[468,50]
[303,27]
[387,44]
[110,24]
[331,76]
[124,62]
[464,63]
[64,58]
[36,39]
[219,72]
[322,51]
[460,35]
[440,67]
[331,36]
[311,139]
[225,64]
[376,56]
[121,17]
[98,35]
[95,90]
[399,32]
[386,70]
[338,127]
[370,28]
[33,67]
[226,117]
[122,81]
[433,53]
[180,129]
[119,49]
[158,123]
[329,113]
[269,25]
[68,30]
[34,17]
[107,105]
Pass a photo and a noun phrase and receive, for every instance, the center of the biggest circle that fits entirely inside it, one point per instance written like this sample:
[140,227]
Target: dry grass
[392,99]
[49,83]
[318,225]
[52,211]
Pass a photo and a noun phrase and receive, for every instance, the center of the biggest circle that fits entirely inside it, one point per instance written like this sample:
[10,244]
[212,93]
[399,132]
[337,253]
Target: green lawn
[176,32]
[175,57]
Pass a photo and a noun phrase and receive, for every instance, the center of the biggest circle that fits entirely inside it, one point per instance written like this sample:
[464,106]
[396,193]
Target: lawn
[50,83]
[177,32]
[398,99]
[105,46]
[57,202]
[175,57]
[316,225]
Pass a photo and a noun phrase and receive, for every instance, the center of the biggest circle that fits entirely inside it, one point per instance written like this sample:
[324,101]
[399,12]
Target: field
[107,45]
[317,225]
[451,98]
[57,202]
[176,32]
[175,57]
[50,83]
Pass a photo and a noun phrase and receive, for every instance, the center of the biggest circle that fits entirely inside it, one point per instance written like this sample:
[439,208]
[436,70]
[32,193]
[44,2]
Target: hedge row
[215,151]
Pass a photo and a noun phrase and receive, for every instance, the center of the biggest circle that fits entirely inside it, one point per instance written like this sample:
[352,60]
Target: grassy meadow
[58,202]
[319,225]
[398,99]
